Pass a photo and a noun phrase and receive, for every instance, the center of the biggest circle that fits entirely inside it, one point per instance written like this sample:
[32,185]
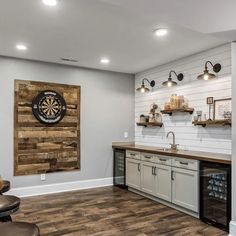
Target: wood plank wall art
[43,148]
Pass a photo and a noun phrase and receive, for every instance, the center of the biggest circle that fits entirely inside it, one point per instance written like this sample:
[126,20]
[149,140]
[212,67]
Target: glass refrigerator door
[119,167]
[214,194]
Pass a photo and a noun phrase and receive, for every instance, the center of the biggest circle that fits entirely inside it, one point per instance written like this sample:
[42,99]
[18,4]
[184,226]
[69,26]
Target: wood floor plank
[106,212]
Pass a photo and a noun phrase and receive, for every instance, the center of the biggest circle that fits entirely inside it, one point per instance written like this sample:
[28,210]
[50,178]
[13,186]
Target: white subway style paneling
[210,139]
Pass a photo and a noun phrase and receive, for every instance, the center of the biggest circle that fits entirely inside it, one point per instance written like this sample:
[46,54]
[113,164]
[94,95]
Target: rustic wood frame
[210,100]
[219,100]
[44,148]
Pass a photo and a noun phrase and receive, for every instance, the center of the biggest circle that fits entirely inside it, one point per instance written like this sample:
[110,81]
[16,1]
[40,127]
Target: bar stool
[8,205]
[19,229]
[6,187]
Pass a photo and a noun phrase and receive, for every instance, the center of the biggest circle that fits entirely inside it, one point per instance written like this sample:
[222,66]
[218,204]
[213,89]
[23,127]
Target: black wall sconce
[170,82]
[143,88]
[206,75]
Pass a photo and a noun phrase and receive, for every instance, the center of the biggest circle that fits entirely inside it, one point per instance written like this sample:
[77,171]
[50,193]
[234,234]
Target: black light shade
[170,82]
[143,88]
[208,76]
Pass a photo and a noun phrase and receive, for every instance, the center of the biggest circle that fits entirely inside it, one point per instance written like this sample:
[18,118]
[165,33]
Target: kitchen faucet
[173,145]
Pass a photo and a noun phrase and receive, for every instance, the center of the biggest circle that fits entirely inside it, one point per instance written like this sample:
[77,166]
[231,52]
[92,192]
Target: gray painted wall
[107,110]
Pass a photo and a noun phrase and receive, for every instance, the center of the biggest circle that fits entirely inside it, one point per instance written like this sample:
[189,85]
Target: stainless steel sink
[166,150]
[163,149]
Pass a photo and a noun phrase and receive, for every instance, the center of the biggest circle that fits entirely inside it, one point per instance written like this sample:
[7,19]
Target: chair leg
[6,219]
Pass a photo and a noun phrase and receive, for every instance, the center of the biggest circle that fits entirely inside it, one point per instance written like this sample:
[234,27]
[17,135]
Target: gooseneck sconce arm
[143,88]
[206,75]
[216,67]
[170,82]
[179,76]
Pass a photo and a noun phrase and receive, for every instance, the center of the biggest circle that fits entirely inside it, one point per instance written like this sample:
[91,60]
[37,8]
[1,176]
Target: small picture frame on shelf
[210,100]
[221,107]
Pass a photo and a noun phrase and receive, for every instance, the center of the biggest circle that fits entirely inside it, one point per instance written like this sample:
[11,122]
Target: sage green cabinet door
[133,173]
[163,182]
[185,188]
[147,178]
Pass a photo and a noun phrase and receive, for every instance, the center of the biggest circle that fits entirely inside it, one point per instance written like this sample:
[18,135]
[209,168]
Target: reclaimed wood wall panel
[42,148]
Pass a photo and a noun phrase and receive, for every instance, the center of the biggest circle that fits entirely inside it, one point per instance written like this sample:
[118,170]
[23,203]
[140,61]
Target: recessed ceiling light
[51,3]
[105,61]
[160,32]
[21,47]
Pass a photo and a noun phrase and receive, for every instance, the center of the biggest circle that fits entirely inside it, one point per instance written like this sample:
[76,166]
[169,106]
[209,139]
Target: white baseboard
[61,187]
[232,228]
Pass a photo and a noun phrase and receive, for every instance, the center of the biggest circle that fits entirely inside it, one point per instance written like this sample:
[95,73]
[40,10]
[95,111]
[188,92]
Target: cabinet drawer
[164,160]
[148,157]
[185,163]
[133,154]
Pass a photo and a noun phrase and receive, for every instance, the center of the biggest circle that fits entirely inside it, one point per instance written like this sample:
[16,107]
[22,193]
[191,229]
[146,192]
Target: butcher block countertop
[196,155]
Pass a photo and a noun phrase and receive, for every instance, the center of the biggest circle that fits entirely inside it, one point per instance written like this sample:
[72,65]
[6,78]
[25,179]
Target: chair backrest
[1,183]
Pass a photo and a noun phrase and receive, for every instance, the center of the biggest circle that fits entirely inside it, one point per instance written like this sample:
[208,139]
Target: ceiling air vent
[68,59]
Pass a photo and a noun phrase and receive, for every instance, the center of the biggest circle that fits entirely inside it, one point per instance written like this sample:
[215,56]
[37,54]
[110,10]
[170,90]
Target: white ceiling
[86,30]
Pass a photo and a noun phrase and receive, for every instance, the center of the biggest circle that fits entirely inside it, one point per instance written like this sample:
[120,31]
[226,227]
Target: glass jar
[185,103]
[167,106]
[180,101]
[142,119]
[173,101]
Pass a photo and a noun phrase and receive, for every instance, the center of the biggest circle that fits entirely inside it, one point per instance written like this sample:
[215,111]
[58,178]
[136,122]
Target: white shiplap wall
[209,139]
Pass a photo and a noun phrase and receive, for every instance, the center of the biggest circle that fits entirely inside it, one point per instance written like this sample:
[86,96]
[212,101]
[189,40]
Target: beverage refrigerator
[215,194]
[119,178]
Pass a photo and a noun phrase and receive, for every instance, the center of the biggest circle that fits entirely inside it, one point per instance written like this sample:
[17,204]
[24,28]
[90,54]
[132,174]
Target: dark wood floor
[107,211]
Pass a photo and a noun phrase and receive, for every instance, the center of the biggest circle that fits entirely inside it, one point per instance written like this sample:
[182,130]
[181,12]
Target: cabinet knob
[155,170]
[139,167]
[172,175]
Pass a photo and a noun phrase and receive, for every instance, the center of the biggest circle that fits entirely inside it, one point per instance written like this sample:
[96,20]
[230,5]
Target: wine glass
[199,114]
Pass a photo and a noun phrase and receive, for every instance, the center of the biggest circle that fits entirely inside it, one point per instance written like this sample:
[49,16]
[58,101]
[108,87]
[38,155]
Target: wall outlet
[43,177]
[126,134]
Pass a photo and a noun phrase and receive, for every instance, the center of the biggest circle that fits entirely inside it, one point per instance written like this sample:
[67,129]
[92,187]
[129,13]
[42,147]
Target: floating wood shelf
[212,122]
[152,124]
[186,110]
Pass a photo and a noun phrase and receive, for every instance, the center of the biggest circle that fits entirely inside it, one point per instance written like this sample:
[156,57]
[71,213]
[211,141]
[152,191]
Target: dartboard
[49,107]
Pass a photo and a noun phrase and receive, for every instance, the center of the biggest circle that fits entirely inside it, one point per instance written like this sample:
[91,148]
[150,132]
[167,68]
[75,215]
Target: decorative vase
[142,119]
